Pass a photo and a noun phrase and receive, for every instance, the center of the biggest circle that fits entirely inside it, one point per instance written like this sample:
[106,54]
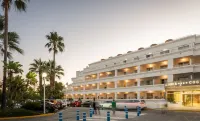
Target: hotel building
[168,71]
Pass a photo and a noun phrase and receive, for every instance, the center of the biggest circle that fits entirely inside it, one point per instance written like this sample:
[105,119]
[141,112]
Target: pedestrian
[98,106]
[113,106]
[94,106]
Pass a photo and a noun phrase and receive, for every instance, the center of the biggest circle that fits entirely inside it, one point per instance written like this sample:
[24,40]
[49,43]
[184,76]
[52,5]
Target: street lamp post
[44,76]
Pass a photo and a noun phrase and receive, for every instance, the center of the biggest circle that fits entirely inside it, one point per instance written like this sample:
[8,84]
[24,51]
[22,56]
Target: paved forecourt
[148,115]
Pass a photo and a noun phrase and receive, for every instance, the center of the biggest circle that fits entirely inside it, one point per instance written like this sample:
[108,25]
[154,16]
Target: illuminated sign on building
[183,83]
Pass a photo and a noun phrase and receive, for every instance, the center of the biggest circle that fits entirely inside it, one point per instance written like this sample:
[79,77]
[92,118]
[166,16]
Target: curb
[23,117]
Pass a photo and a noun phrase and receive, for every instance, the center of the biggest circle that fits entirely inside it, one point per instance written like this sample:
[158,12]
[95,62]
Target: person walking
[113,106]
[94,107]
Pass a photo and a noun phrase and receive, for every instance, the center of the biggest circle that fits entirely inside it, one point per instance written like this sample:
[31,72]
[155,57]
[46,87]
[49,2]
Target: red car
[77,103]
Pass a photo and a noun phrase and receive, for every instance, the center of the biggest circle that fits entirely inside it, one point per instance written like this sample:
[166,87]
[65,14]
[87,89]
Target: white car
[106,104]
[131,104]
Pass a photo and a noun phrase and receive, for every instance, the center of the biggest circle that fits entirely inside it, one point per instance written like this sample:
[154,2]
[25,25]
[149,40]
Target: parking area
[69,114]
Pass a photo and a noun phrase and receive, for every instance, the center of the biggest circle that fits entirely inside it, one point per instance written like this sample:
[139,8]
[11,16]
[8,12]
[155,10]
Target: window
[149,95]
[149,69]
[183,63]
[163,67]
[135,83]
[149,55]
[135,71]
[114,63]
[124,61]
[124,73]
[106,65]
[136,58]
[164,52]
[163,81]
[183,47]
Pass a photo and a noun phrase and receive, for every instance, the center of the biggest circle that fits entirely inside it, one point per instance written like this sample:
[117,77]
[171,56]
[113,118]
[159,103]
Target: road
[149,115]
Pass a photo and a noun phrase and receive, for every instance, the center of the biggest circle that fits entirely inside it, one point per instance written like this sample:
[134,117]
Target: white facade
[140,74]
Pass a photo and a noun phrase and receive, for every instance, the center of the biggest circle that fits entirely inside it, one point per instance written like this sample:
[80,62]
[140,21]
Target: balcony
[154,66]
[126,95]
[125,71]
[90,77]
[107,85]
[126,83]
[91,87]
[152,94]
[107,74]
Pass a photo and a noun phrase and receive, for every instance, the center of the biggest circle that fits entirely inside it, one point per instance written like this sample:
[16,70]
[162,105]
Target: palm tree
[13,44]
[59,71]
[55,44]
[31,79]
[13,68]
[38,66]
[6,4]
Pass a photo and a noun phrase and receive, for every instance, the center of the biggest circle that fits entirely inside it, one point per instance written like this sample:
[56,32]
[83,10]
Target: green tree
[13,44]
[55,44]
[59,71]
[31,79]
[6,4]
[57,91]
[39,67]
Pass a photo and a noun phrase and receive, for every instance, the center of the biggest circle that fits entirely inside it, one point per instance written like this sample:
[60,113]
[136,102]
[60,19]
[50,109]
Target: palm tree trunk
[3,104]
[54,64]
[40,83]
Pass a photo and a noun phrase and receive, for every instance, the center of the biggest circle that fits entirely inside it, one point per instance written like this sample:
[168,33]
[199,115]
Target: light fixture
[100,74]
[150,91]
[126,69]
[87,85]
[93,84]
[164,62]
[93,75]
[150,65]
[164,77]
[108,73]
[126,80]
[183,59]
[108,82]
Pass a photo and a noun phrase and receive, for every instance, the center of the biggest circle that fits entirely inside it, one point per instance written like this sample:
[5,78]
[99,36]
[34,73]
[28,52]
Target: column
[138,94]
[84,87]
[97,86]
[191,76]
[115,72]
[138,82]
[190,60]
[138,69]
[115,95]
[170,78]
[153,81]
[170,63]
[97,75]
[115,84]
[84,96]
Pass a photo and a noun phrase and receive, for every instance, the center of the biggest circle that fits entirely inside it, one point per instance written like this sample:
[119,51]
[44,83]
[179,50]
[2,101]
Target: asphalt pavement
[69,114]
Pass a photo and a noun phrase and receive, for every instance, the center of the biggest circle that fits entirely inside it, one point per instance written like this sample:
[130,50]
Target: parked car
[131,104]
[106,104]
[50,107]
[86,104]
[77,103]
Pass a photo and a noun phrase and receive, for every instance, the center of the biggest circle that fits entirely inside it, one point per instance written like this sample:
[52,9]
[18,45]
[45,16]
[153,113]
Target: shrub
[17,112]
[32,106]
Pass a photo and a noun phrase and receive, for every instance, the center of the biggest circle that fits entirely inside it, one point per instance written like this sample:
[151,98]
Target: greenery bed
[17,113]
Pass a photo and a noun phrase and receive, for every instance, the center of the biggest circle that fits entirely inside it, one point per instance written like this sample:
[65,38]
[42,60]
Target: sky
[96,29]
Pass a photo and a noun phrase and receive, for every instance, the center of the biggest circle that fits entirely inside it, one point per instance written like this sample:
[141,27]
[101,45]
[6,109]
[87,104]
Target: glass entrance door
[187,99]
[196,100]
